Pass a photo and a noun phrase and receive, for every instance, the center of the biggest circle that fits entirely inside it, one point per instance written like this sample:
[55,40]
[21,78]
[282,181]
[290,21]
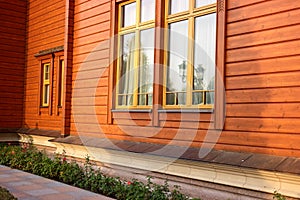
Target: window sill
[201,110]
[132,111]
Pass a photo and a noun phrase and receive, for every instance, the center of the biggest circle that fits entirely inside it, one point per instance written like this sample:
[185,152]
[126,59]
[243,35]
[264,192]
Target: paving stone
[57,196]
[41,192]
[32,186]
[21,183]
[27,186]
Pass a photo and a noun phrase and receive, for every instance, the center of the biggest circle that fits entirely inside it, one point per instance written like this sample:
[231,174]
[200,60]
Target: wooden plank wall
[91,30]
[262,88]
[262,77]
[45,30]
[12,58]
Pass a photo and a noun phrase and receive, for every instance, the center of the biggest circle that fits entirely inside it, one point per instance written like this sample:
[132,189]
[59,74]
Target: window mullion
[189,81]
[136,67]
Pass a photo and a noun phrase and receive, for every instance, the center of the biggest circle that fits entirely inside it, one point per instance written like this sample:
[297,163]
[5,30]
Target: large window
[190,61]
[136,54]
[45,84]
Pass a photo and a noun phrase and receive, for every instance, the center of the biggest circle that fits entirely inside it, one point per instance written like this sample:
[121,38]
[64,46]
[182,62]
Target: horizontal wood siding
[12,58]
[262,73]
[262,89]
[45,30]
[90,54]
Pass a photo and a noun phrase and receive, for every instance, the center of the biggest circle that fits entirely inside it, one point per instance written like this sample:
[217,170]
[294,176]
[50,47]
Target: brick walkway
[27,186]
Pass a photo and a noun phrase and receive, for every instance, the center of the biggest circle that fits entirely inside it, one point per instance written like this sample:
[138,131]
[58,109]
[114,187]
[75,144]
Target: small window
[46,84]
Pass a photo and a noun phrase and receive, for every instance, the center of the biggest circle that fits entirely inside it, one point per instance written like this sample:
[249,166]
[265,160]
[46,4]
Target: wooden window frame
[43,60]
[45,82]
[136,29]
[60,72]
[219,104]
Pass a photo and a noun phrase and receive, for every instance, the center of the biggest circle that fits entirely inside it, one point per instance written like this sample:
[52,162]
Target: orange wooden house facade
[53,51]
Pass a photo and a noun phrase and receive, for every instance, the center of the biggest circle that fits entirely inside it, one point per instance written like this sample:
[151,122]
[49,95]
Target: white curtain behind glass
[205,46]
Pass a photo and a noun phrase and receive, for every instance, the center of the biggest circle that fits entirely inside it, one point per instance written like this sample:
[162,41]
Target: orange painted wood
[237,3]
[264,22]
[271,65]
[264,37]
[12,58]
[274,80]
[264,110]
[261,9]
[288,48]
[263,95]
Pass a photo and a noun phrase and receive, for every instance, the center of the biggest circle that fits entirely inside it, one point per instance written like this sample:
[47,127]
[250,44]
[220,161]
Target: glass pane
[170,99]
[198,98]
[181,98]
[177,6]
[46,94]
[46,71]
[126,79]
[210,97]
[204,58]
[61,83]
[177,56]
[146,64]
[147,10]
[200,3]
[129,14]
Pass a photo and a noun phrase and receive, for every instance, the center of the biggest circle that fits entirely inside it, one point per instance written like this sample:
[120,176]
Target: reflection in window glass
[126,79]
[147,10]
[146,67]
[47,69]
[177,63]
[204,59]
[129,14]
[177,6]
[200,3]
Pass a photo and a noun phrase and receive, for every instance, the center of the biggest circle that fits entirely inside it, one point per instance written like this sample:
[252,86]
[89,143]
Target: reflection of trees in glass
[128,82]
[126,69]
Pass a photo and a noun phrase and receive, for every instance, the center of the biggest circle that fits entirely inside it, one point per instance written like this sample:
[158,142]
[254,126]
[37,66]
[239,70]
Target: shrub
[29,159]
[5,195]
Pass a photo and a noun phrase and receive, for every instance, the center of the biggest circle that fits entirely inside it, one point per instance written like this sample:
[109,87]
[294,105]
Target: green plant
[5,195]
[278,196]
[88,177]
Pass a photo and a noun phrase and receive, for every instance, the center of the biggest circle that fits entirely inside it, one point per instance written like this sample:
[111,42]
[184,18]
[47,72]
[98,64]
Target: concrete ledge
[240,177]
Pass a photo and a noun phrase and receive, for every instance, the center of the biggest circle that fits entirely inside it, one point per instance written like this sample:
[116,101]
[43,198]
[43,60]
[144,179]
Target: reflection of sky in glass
[146,59]
[127,63]
[205,46]
[129,14]
[200,3]
[147,10]
[177,6]
[178,49]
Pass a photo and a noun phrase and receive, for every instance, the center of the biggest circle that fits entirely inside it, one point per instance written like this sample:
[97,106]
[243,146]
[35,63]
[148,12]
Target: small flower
[64,159]
[128,183]
[13,153]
